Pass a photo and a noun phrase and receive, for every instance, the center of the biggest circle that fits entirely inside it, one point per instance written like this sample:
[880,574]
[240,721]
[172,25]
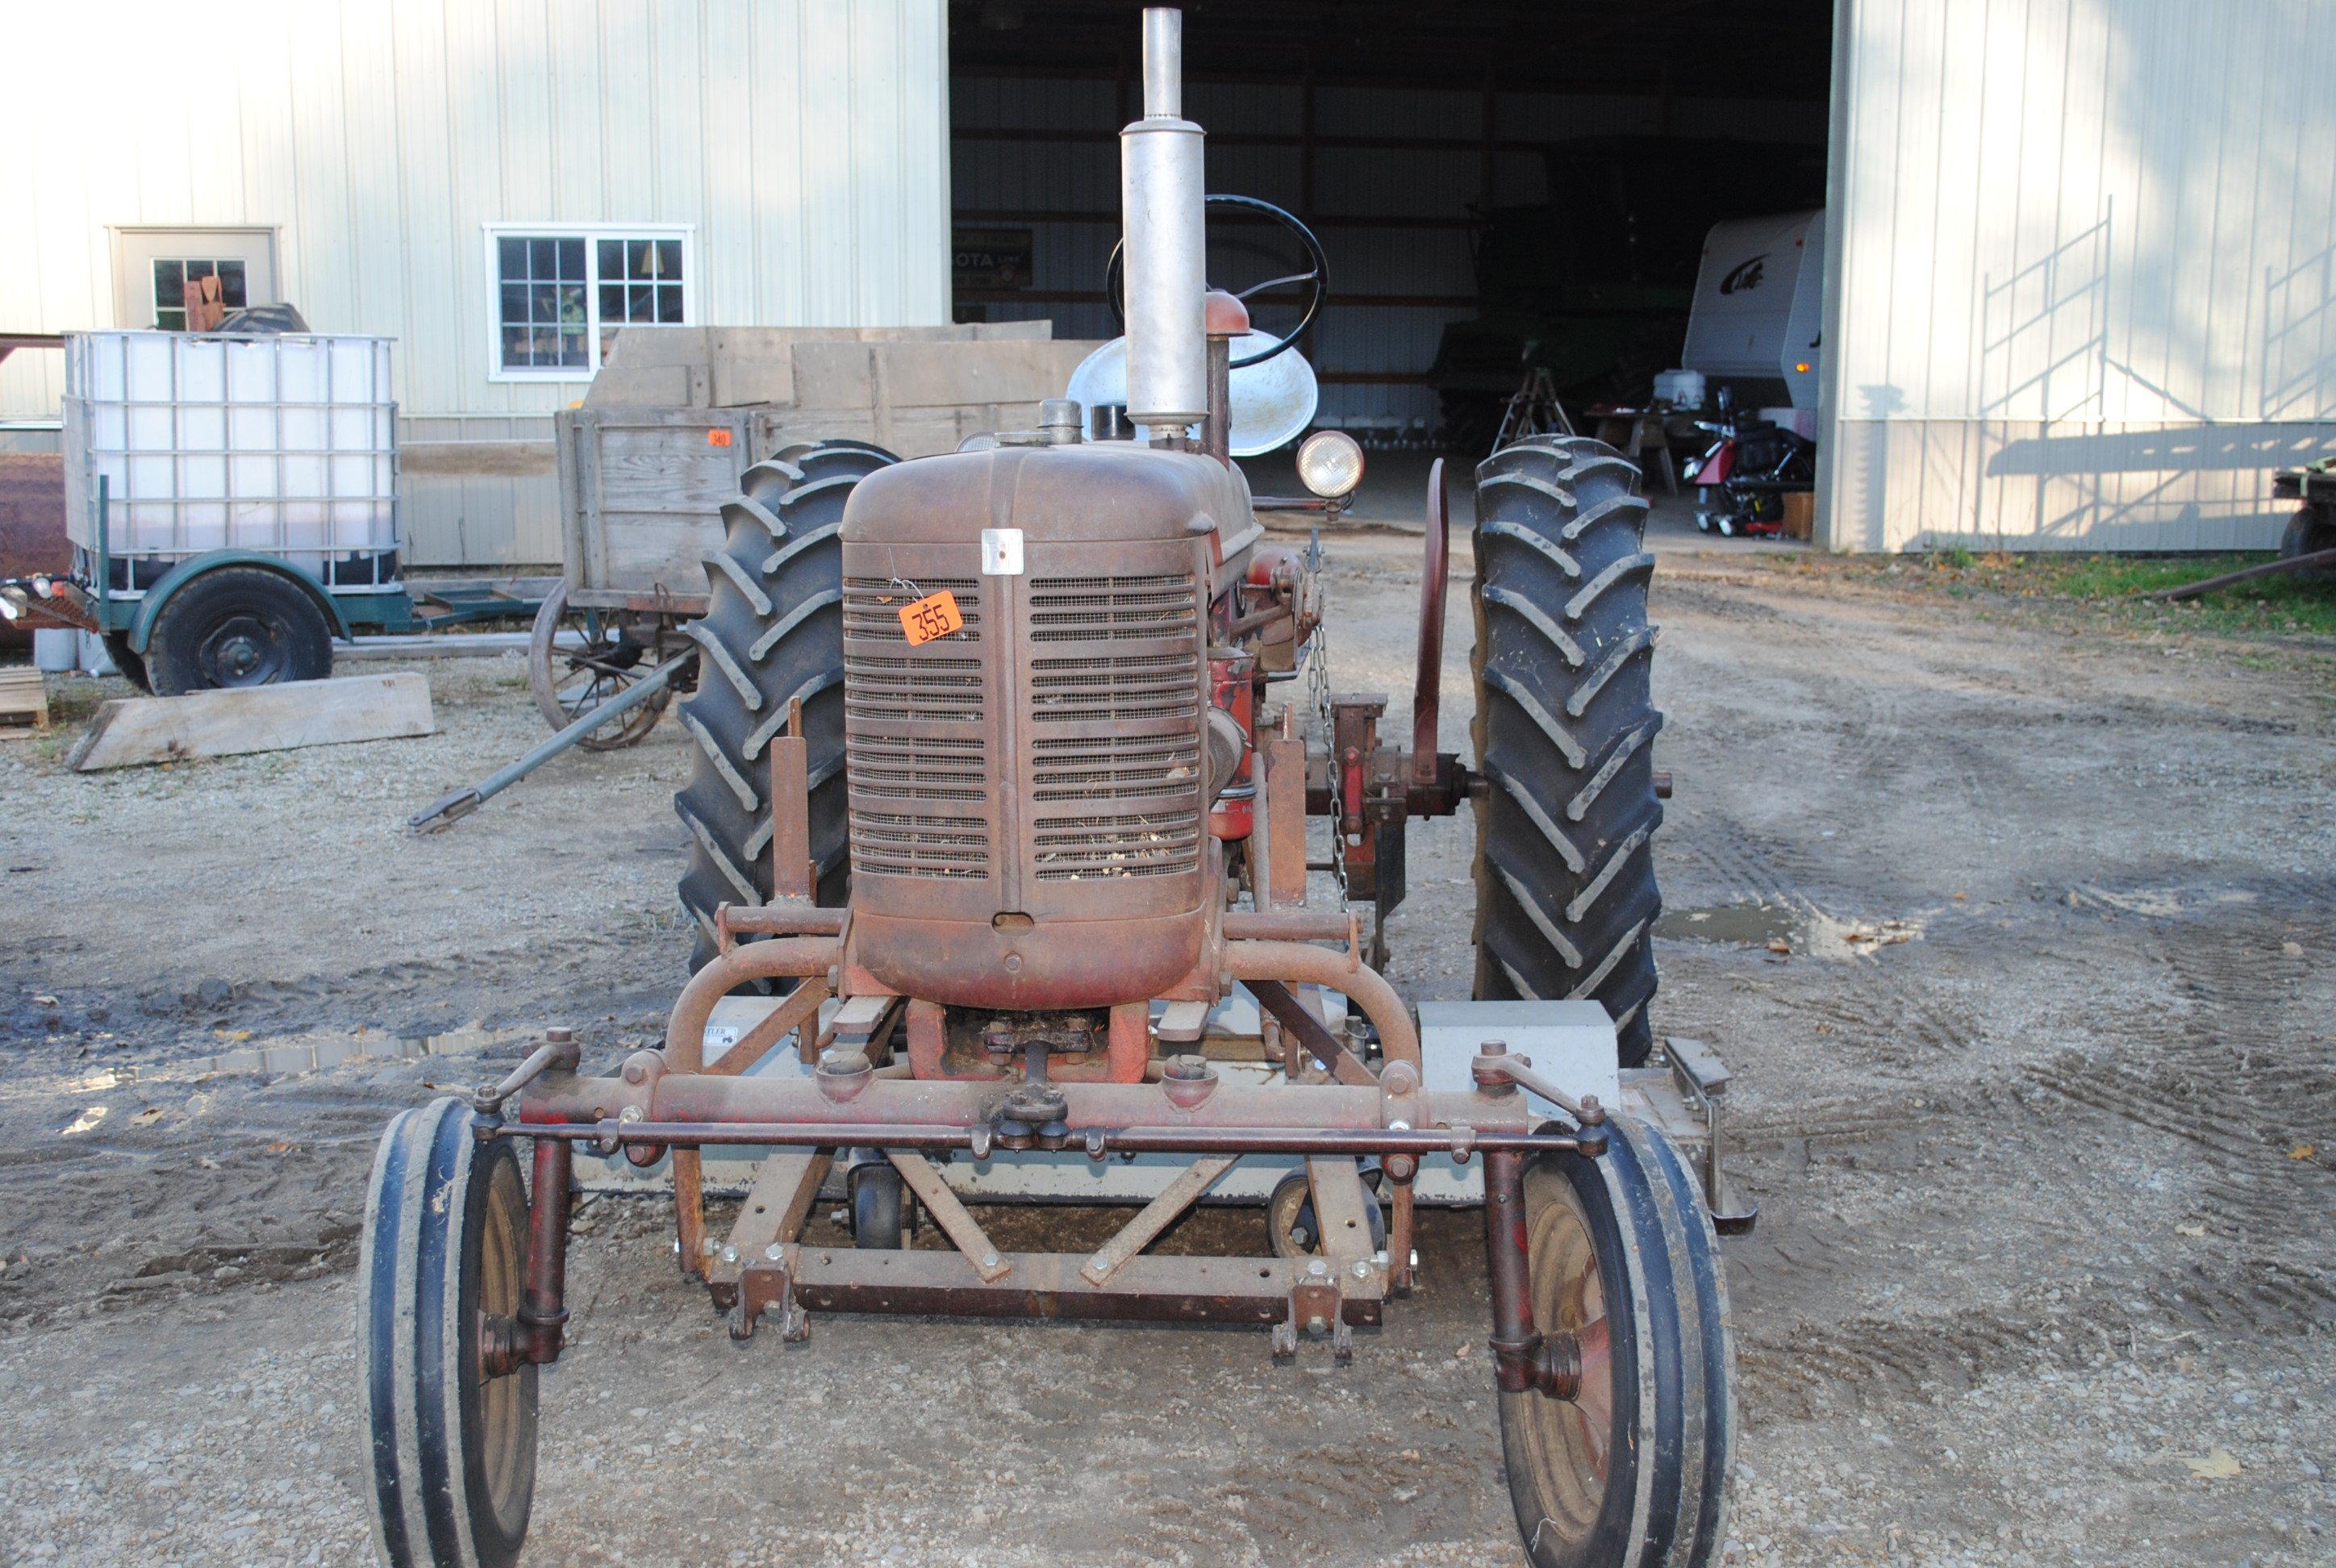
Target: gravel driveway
[2016,927]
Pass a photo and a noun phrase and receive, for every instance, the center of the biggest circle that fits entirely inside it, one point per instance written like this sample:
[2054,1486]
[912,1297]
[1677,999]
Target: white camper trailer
[1756,320]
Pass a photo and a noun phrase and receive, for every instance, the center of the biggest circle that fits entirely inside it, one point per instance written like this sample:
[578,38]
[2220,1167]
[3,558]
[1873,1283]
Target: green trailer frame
[88,599]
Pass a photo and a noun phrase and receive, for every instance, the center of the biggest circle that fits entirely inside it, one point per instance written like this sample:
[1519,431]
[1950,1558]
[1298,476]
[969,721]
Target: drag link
[559,1049]
[1496,1071]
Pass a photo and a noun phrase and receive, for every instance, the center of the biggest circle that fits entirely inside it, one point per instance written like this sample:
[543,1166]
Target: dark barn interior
[1498,185]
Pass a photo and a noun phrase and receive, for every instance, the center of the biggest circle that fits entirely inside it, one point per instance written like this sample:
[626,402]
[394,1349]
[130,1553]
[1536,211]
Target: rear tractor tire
[1564,732]
[450,1451]
[1635,1467]
[772,634]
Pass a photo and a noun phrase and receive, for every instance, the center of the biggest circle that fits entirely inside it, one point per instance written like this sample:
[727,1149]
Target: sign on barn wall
[990,257]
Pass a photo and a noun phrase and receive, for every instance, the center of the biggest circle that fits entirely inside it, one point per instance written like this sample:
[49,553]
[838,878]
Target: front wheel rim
[1570,1441]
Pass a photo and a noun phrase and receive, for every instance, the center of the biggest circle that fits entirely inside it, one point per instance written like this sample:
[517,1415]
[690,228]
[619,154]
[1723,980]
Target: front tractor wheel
[451,1450]
[1632,1467]
[773,635]
[1564,733]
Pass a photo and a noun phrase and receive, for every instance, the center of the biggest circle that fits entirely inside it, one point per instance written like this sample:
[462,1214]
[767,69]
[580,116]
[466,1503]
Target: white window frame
[591,233]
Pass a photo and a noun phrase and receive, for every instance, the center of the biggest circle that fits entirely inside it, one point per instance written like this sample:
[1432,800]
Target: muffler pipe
[1162,207]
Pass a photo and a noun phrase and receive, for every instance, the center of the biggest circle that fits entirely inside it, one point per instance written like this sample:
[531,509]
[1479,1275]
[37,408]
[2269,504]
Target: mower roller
[1005,766]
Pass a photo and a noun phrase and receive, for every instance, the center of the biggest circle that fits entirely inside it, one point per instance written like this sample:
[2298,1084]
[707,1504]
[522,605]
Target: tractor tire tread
[773,632]
[1564,732]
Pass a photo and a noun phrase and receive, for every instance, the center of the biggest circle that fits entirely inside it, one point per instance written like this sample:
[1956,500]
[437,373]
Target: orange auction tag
[717,438]
[935,615]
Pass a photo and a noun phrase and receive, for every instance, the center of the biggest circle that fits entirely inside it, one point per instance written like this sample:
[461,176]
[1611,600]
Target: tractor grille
[872,606]
[1124,686]
[1116,720]
[1074,849]
[919,844]
[1113,767]
[916,736]
[1112,609]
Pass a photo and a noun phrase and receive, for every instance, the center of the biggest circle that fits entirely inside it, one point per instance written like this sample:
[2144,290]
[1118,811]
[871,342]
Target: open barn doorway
[1505,189]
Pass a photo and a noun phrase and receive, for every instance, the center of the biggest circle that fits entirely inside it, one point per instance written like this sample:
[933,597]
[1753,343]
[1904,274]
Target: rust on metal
[956,1223]
[771,1214]
[778,921]
[1254,1291]
[1154,1217]
[1285,822]
[1295,962]
[1427,678]
[1340,1204]
[794,878]
[1314,1037]
[799,1008]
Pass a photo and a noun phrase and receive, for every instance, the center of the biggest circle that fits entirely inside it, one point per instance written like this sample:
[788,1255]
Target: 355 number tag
[935,615]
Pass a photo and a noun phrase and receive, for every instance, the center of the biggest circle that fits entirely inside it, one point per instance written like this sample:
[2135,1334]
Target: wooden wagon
[643,484]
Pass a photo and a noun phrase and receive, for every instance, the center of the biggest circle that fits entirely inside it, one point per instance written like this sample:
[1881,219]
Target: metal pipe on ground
[453,807]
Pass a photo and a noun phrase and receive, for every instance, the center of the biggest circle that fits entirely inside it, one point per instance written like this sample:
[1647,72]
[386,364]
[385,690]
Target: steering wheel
[1317,273]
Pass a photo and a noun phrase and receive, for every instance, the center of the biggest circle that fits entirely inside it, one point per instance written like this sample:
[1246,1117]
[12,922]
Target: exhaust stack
[1160,191]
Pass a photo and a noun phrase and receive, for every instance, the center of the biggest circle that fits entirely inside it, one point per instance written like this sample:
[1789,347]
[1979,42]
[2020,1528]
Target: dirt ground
[2040,1107]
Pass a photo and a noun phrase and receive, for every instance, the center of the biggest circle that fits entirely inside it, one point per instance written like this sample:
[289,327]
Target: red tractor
[1007,762]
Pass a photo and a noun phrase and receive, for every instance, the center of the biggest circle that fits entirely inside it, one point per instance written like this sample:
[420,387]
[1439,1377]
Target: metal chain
[1318,687]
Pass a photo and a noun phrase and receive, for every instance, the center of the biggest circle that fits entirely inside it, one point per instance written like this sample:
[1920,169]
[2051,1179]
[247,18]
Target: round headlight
[1331,463]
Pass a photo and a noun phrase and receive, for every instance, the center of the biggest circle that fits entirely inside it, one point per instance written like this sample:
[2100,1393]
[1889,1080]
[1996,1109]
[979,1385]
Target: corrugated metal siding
[2080,284]
[806,140]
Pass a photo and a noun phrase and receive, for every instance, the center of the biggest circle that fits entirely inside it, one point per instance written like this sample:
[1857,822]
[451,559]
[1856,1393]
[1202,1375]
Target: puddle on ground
[308,1056]
[1785,929]
[1753,924]
[2158,904]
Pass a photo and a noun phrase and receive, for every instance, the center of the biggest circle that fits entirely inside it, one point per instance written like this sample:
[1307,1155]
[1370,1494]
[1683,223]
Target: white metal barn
[496,185]
[2082,281]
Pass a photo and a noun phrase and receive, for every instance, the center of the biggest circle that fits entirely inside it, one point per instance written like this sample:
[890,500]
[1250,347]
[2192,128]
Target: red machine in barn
[1006,760]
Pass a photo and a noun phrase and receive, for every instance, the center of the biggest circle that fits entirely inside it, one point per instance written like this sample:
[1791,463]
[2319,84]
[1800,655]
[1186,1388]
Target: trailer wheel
[127,660]
[567,683]
[772,633]
[1564,730]
[451,1451]
[2312,529]
[1634,1469]
[879,1208]
[238,626]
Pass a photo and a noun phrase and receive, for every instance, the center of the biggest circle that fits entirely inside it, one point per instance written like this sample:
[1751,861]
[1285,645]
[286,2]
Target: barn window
[561,295]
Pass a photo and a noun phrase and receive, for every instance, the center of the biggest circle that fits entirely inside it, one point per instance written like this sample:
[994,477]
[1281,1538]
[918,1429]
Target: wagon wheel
[569,682]
[1620,1257]
[450,1449]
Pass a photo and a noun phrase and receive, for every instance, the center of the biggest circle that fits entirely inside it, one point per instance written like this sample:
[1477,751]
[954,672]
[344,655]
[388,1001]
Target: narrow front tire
[449,1452]
[1634,1470]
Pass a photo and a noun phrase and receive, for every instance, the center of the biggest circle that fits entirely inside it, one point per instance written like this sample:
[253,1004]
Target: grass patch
[2271,607]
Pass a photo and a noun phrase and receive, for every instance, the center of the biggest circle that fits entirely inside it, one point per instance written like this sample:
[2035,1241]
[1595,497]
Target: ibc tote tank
[283,443]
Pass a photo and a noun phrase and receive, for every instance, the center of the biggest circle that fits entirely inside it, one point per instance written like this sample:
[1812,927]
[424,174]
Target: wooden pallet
[23,702]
